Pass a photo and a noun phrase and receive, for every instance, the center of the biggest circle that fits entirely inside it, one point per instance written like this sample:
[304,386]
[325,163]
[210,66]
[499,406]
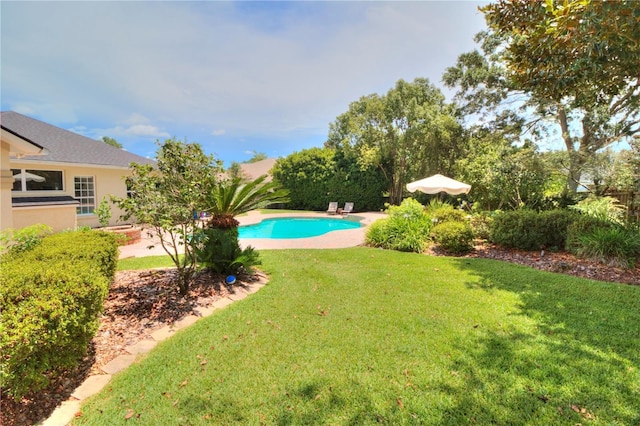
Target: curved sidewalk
[334,239]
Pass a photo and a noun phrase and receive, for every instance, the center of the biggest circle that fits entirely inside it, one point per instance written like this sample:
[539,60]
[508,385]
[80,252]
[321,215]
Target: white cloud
[247,69]
[145,130]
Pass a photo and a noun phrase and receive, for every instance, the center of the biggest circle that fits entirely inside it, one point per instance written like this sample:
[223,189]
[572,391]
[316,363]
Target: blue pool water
[295,227]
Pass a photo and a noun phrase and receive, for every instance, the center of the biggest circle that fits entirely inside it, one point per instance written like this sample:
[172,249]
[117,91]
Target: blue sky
[236,77]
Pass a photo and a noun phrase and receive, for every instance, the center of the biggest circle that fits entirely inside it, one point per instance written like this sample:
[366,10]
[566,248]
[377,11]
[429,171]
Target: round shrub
[406,228]
[481,225]
[453,237]
[517,229]
[448,214]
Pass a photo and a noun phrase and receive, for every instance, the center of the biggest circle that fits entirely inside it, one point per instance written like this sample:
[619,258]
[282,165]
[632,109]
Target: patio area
[335,239]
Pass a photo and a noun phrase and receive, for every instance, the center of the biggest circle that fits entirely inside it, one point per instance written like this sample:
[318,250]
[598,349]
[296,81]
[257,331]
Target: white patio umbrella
[438,183]
[30,177]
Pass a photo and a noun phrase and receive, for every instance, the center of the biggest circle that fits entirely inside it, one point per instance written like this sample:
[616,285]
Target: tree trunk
[575,161]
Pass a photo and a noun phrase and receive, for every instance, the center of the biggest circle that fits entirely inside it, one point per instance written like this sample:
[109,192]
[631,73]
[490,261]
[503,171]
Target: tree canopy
[582,49]
[168,197]
[406,133]
[545,66]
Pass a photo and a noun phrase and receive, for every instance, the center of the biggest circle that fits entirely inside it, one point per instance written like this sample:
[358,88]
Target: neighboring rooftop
[259,168]
[64,146]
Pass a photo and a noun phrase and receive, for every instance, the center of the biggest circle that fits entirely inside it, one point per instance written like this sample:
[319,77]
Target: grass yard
[365,336]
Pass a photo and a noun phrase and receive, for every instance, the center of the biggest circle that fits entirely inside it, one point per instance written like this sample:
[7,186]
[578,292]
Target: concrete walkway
[66,411]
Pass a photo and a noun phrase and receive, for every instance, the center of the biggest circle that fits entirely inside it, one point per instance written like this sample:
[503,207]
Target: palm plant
[218,247]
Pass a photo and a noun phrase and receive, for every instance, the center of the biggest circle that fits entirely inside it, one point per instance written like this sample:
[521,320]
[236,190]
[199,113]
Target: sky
[236,77]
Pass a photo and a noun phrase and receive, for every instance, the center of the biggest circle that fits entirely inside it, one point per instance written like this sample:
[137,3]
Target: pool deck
[334,239]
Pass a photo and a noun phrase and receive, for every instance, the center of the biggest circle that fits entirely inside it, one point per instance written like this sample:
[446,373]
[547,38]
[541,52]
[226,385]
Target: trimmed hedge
[51,301]
[530,230]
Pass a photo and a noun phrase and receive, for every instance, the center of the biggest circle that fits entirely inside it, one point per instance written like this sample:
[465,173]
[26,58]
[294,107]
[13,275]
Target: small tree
[167,199]
[219,248]
[104,212]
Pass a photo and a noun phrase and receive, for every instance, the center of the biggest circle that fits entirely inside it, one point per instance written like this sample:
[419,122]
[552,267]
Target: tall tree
[570,64]
[407,132]
[111,141]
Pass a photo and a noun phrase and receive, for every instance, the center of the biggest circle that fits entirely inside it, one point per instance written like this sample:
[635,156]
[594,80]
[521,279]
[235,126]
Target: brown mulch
[559,262]
[140,302]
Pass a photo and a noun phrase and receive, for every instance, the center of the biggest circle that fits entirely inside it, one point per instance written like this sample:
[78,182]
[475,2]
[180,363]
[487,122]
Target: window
[85,193]
[36,180]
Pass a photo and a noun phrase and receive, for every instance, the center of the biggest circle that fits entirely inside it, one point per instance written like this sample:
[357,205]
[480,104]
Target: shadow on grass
[309,402]
[570,352]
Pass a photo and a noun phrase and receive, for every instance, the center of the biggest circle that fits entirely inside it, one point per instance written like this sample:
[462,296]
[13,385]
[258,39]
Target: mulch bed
[140,302]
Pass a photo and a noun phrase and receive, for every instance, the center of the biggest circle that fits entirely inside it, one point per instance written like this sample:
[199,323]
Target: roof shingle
[64,146]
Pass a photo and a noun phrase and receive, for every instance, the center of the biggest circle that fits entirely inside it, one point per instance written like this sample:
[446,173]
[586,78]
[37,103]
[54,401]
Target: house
[253,171]
[56,177]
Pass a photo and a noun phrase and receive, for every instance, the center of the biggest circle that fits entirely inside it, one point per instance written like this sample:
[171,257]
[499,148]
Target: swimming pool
[295,227]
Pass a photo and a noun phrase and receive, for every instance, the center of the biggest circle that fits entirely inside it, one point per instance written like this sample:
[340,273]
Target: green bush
[51,301]
[517,229]
[554,225]
[614,245]
[453,237]
[582,225]
[98,248]
[606,209]
[530,230]
[447,213]
[18,240]
[481,225]
[316,176]
[219,250]
[406,228]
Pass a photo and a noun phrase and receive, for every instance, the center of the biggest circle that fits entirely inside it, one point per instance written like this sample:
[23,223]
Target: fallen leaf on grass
[400,404]
[129,414]
[183,384]
[543,398]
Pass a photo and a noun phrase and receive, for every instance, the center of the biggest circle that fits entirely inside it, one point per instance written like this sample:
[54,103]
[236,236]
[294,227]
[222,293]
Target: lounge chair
[333,207]
[348,208]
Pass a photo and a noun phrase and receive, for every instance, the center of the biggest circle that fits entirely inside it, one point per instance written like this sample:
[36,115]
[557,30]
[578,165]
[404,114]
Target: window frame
[24,184]
[88,200]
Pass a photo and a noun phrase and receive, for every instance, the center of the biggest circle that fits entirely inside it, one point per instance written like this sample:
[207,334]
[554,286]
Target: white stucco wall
[107,181]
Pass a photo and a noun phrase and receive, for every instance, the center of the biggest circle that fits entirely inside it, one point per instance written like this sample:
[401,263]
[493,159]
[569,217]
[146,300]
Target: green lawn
[364,336]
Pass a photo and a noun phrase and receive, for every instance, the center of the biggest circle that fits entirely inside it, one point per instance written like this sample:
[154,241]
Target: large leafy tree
[306,174]
[406,133]
[504,176]
[568,65]
[167,196]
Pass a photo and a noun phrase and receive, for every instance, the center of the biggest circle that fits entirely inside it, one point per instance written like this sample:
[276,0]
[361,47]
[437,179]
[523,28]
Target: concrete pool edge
[335,239]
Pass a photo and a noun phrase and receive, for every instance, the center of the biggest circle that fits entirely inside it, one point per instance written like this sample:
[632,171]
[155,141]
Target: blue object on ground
[230,280]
